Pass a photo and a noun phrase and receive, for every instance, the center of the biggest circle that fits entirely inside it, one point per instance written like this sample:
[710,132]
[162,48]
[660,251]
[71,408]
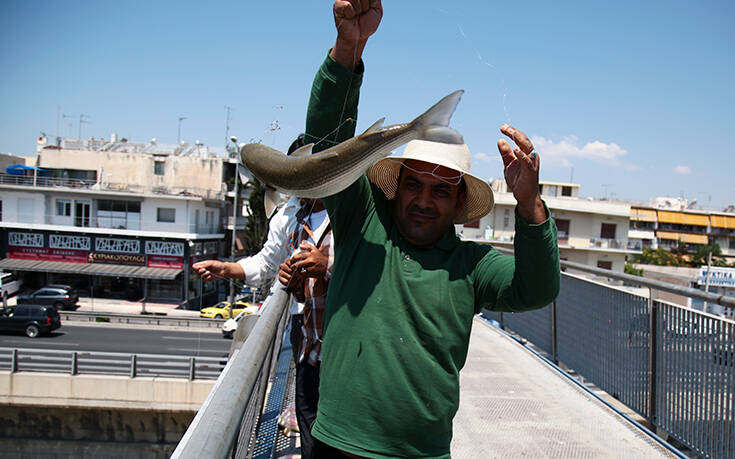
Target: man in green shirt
[404,288]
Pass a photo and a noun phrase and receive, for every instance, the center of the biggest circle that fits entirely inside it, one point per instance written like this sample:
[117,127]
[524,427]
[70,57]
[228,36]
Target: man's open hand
[521,174]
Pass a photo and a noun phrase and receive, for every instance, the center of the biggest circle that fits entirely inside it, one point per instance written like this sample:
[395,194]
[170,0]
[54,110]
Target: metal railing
[227,421]
[110,363]
[87,184]
[140,319]
[672,365]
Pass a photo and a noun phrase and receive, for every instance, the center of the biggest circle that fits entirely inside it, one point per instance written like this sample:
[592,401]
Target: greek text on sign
[116,258]
[718,277]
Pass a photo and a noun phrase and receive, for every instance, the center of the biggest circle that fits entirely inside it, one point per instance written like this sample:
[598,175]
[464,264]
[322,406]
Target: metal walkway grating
[270,442]
[515,405]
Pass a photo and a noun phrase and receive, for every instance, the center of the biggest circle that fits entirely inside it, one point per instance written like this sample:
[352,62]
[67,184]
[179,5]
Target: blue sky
[630,99]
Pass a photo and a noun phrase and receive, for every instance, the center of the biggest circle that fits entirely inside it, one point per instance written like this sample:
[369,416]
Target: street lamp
[233,149]
[178,137]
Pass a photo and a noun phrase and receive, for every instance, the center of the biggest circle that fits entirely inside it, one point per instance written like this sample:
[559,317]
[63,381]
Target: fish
[330,171]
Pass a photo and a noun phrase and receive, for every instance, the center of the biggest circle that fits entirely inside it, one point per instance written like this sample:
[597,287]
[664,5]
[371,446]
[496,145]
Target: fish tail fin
[433,124]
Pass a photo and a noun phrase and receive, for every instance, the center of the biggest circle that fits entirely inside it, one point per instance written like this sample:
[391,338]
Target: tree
[660,257]
[700,256]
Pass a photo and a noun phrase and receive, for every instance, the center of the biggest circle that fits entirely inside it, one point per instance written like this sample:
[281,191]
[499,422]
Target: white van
[9,285]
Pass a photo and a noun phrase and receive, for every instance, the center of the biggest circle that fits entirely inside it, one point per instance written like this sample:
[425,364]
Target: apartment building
[591,232]
[119,219]
[667,226]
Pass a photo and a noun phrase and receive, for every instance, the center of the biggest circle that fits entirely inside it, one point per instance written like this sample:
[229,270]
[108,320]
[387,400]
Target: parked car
[9,285]
[31,319]
[221,310]
[230,326]
[57,295]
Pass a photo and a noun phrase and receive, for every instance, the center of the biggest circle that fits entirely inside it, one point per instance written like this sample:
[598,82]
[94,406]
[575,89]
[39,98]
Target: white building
[117,218]
[591,232]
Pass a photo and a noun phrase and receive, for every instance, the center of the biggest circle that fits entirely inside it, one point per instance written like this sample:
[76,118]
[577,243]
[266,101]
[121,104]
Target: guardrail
[110,363]
[673,365]
[228,418]
[143,319]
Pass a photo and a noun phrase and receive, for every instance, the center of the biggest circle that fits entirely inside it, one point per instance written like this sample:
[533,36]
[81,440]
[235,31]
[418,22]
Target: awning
[19,169]
[90,269]
[642,215]
[682,218]
[694,239]
[722,221]
[683,237]
[667,235]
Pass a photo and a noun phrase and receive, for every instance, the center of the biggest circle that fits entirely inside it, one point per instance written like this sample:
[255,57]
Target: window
[159,167]
[562,229]
[118,214]
[566,191]
[731,244]
[166,215]
[63,208]
[607,231]
[604,264]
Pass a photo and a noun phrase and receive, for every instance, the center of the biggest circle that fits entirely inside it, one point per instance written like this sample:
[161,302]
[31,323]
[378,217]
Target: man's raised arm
[332,112]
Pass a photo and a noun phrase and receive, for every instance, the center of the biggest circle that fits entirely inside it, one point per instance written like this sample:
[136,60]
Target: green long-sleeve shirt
[398,317]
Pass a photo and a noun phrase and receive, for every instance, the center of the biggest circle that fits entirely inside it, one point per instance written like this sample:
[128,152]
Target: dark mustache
[425,212]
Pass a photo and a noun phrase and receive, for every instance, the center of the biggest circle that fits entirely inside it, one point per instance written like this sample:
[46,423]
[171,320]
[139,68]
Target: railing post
[191,368]
[14,361]
[554,353]
[74,363]
[652,343]
[133,365]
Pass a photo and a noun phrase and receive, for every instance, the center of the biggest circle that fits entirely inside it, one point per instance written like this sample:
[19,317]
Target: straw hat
[479,201]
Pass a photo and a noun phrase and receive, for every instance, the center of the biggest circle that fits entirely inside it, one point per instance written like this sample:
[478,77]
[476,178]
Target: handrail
[722,300]
[215,427]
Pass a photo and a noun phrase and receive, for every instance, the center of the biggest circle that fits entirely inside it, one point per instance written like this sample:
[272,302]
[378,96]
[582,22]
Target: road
[107,338]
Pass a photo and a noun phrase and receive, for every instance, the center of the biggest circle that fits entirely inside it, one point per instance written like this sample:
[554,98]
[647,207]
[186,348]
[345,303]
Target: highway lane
[107,338]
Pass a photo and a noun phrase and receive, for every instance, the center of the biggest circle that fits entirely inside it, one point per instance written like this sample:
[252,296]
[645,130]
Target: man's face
[427,202]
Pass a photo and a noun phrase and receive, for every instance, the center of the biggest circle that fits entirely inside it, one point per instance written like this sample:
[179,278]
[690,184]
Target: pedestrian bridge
[635,365]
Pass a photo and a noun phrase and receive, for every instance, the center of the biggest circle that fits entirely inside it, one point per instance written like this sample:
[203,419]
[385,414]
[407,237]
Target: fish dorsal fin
[270,200]
[303,151]
[376,125]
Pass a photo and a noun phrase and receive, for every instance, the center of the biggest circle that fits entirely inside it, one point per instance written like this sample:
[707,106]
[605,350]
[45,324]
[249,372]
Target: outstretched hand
[521,174]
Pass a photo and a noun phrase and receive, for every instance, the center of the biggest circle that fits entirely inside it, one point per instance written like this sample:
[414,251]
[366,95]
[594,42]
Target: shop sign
[718,277]
[116,258]
[165,261]
[46,254]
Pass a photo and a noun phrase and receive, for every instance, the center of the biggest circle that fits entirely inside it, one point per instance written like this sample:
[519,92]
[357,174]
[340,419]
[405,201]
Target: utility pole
[706,279]
[234,222]
[58,115]
[82,119]
[71,123]
[178,137]
[227,124]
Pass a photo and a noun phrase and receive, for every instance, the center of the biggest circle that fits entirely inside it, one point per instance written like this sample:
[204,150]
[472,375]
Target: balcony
[132,222]
[81,184]
[601,243]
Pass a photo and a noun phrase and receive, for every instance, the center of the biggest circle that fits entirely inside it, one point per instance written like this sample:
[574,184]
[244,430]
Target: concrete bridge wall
[50,415]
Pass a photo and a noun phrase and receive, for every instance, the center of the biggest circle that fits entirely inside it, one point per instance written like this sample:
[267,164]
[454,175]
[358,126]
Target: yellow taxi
[221,310]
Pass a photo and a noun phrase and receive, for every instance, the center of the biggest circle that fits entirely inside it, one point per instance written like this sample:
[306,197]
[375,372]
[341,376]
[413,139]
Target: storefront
[100,265]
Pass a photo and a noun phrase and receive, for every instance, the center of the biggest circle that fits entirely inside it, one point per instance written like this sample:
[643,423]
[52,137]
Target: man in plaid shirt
[306,275]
